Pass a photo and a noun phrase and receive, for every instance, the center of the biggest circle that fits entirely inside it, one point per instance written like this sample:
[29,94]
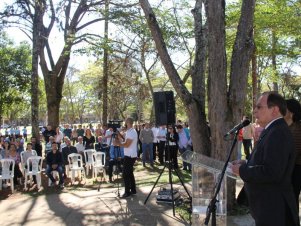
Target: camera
[114,124]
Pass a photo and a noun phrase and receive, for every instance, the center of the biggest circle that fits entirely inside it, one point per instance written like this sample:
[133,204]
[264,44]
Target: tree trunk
[254,78]
[105,67]
[274,61]
[242,53]
[36,49]
[196,115]
[217,83]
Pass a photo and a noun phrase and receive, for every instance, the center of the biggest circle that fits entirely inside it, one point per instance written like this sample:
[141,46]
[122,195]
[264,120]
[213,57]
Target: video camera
[114,124]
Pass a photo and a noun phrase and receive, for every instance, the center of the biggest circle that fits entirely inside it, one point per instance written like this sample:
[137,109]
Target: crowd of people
[271,169]
[152,144]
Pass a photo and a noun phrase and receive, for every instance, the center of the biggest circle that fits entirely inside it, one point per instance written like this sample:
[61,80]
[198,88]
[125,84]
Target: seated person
[36,146]
[67,150]
[26,155]
[54,161]
[64,143]
[48,145]
[20,145]
[100,146]
[80,147]
[5,149]
[13,154]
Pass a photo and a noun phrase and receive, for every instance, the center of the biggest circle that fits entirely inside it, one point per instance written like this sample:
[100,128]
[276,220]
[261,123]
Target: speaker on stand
[165,109]
[165,112]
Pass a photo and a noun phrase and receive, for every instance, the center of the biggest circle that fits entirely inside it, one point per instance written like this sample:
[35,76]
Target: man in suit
[267,173]
[67,150]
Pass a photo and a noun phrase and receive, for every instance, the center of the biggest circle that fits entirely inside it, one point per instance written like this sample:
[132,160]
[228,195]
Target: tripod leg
[154,185]
[171,188]
[181,180]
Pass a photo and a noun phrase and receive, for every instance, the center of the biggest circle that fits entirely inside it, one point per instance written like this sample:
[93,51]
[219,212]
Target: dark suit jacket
[267,177]
[66,151]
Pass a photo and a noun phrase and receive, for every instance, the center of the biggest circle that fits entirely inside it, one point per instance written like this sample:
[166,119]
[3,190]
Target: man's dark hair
[179,127]
[294,107]
[275,99]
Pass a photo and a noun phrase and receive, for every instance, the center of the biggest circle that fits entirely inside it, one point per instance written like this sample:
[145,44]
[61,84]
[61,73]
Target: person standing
[171,149]
[130,155]
[24,130]
[47,133]
[146,137]
[74,135]
[293,119]
[183,143]
[89,140]
[67,131]
[247,134]
[267,173]
[162,139]
[80,131]
[155,130]
[257,131]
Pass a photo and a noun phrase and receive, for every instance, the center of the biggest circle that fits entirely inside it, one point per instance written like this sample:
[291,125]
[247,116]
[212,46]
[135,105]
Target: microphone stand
[211,209]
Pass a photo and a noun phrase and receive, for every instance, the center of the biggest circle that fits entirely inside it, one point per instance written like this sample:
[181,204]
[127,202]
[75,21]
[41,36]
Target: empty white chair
[88,159]
[23,161]
[76,166]
[7,173]
[99,161]
[34,167]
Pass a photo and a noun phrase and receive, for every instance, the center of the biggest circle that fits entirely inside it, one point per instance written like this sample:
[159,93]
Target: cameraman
[130,154]
[115,152]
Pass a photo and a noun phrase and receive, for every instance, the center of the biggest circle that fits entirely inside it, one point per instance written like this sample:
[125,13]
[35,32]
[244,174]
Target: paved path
[76,208]
[86,208]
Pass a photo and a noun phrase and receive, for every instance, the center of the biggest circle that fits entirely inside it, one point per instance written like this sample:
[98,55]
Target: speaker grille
[165,110]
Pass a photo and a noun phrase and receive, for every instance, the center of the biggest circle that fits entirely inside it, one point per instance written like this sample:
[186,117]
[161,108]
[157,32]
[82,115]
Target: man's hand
[235,166]
[117,142]
[235,169]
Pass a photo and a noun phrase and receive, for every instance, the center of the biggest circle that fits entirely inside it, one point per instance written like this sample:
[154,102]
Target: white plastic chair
[23,163]
[88,159]
[76,165]
[34,167]
[7,173]
[99,161]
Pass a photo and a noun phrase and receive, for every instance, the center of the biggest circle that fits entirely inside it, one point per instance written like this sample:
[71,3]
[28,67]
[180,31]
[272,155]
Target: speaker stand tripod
[170,168]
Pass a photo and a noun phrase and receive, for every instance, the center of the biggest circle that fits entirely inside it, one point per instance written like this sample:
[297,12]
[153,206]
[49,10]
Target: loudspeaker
[165,109]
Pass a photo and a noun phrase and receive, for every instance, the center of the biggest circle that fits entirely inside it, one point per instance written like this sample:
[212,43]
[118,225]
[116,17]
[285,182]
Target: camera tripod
[169,164]
[114,162]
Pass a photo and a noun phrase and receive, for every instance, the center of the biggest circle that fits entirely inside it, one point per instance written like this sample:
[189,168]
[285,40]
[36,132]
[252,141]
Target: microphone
[239,126]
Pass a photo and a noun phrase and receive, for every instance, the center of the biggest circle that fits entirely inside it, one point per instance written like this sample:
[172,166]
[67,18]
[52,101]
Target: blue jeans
[150,151]
[59,169]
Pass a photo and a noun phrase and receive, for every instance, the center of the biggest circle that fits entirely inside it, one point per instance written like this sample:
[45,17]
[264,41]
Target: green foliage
[276,32]
[15,72]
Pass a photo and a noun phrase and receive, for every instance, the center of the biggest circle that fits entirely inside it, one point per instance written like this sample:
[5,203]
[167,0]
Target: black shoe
[61,186]
[133,192]
[125,195]
[110,180]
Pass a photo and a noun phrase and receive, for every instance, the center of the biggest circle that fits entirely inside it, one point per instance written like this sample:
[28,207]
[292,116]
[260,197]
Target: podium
[205,176]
